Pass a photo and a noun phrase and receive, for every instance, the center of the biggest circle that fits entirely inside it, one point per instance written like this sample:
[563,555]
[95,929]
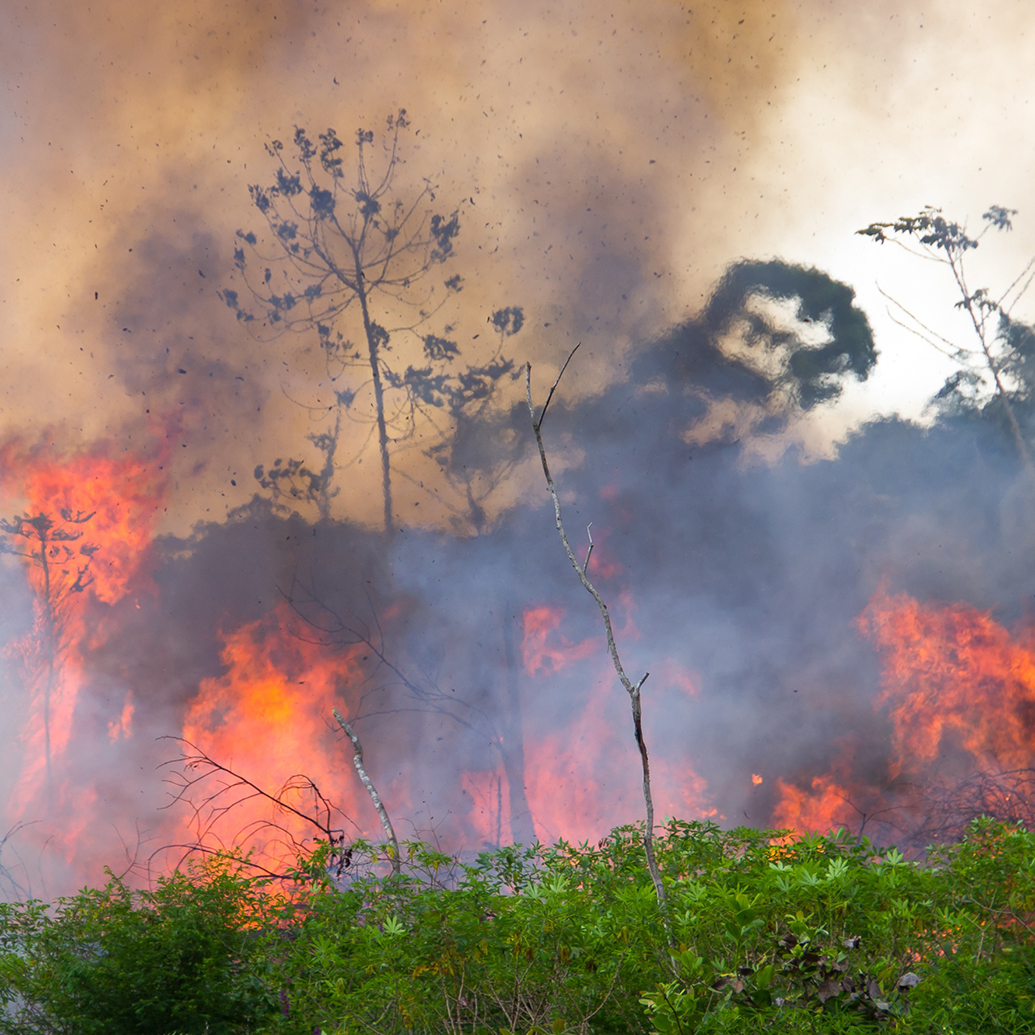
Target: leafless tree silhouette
[348,259]
[213,792]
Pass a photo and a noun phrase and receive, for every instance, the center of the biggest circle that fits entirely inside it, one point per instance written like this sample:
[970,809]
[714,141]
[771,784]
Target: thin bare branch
[382,812]
[947,347]
[553,387]
[633,690]
[209,808]
[1001,303]
[933,231]
[589,549]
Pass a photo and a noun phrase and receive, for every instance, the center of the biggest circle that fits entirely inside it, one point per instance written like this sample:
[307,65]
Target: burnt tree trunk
[512,745]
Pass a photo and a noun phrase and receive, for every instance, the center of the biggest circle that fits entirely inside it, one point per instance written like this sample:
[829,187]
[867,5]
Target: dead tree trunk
[382,812]
[512,746]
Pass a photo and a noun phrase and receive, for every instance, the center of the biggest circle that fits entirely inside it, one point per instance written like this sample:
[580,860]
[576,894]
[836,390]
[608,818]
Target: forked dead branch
[634,690]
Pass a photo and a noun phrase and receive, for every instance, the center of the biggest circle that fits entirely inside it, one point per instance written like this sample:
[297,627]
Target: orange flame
[117,495]
[953,678]
[268,718]
[82,535]
[824,809]
[959,691]
[82,527]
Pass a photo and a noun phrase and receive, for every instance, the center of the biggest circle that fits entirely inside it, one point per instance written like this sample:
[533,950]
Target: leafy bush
[183,957]
[762,934]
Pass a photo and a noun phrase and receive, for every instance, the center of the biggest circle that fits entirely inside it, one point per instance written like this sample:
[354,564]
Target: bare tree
[59,561]
[349,259]
[1005,347]
[364,776]
[634,690]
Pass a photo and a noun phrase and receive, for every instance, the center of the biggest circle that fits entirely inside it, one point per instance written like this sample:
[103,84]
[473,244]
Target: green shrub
[181,958]
[762,934]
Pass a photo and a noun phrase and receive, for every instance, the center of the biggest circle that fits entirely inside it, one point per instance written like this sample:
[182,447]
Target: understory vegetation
[761,933]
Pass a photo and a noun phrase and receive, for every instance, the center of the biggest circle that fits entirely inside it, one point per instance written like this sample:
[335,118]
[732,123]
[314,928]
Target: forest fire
[550,757]
[958,687]
[267,720]
[573,770]
[824,806]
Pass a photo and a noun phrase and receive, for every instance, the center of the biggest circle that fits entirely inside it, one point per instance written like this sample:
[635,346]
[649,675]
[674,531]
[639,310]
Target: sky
[616,157]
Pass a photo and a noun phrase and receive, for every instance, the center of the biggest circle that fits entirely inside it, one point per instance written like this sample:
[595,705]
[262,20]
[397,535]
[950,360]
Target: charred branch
[1004,795]
[213,792]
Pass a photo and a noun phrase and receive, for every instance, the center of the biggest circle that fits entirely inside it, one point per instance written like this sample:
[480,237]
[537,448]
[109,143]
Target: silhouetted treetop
[350,258]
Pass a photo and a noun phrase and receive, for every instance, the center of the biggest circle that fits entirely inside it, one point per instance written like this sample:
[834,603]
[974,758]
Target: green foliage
[763,934]
[180,958]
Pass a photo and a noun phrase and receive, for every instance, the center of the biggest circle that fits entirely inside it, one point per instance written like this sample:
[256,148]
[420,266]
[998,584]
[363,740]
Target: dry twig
[632,689]
[213,792]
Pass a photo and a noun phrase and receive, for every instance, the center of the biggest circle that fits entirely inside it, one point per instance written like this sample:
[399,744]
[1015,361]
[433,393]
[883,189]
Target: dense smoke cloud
[575,136]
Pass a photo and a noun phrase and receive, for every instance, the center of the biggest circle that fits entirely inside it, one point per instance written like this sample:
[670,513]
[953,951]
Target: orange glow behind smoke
[544,649]
[582,773]
[488,809]
[269,719]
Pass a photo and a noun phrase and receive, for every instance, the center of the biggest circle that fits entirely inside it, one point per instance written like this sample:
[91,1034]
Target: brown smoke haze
[617,157]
